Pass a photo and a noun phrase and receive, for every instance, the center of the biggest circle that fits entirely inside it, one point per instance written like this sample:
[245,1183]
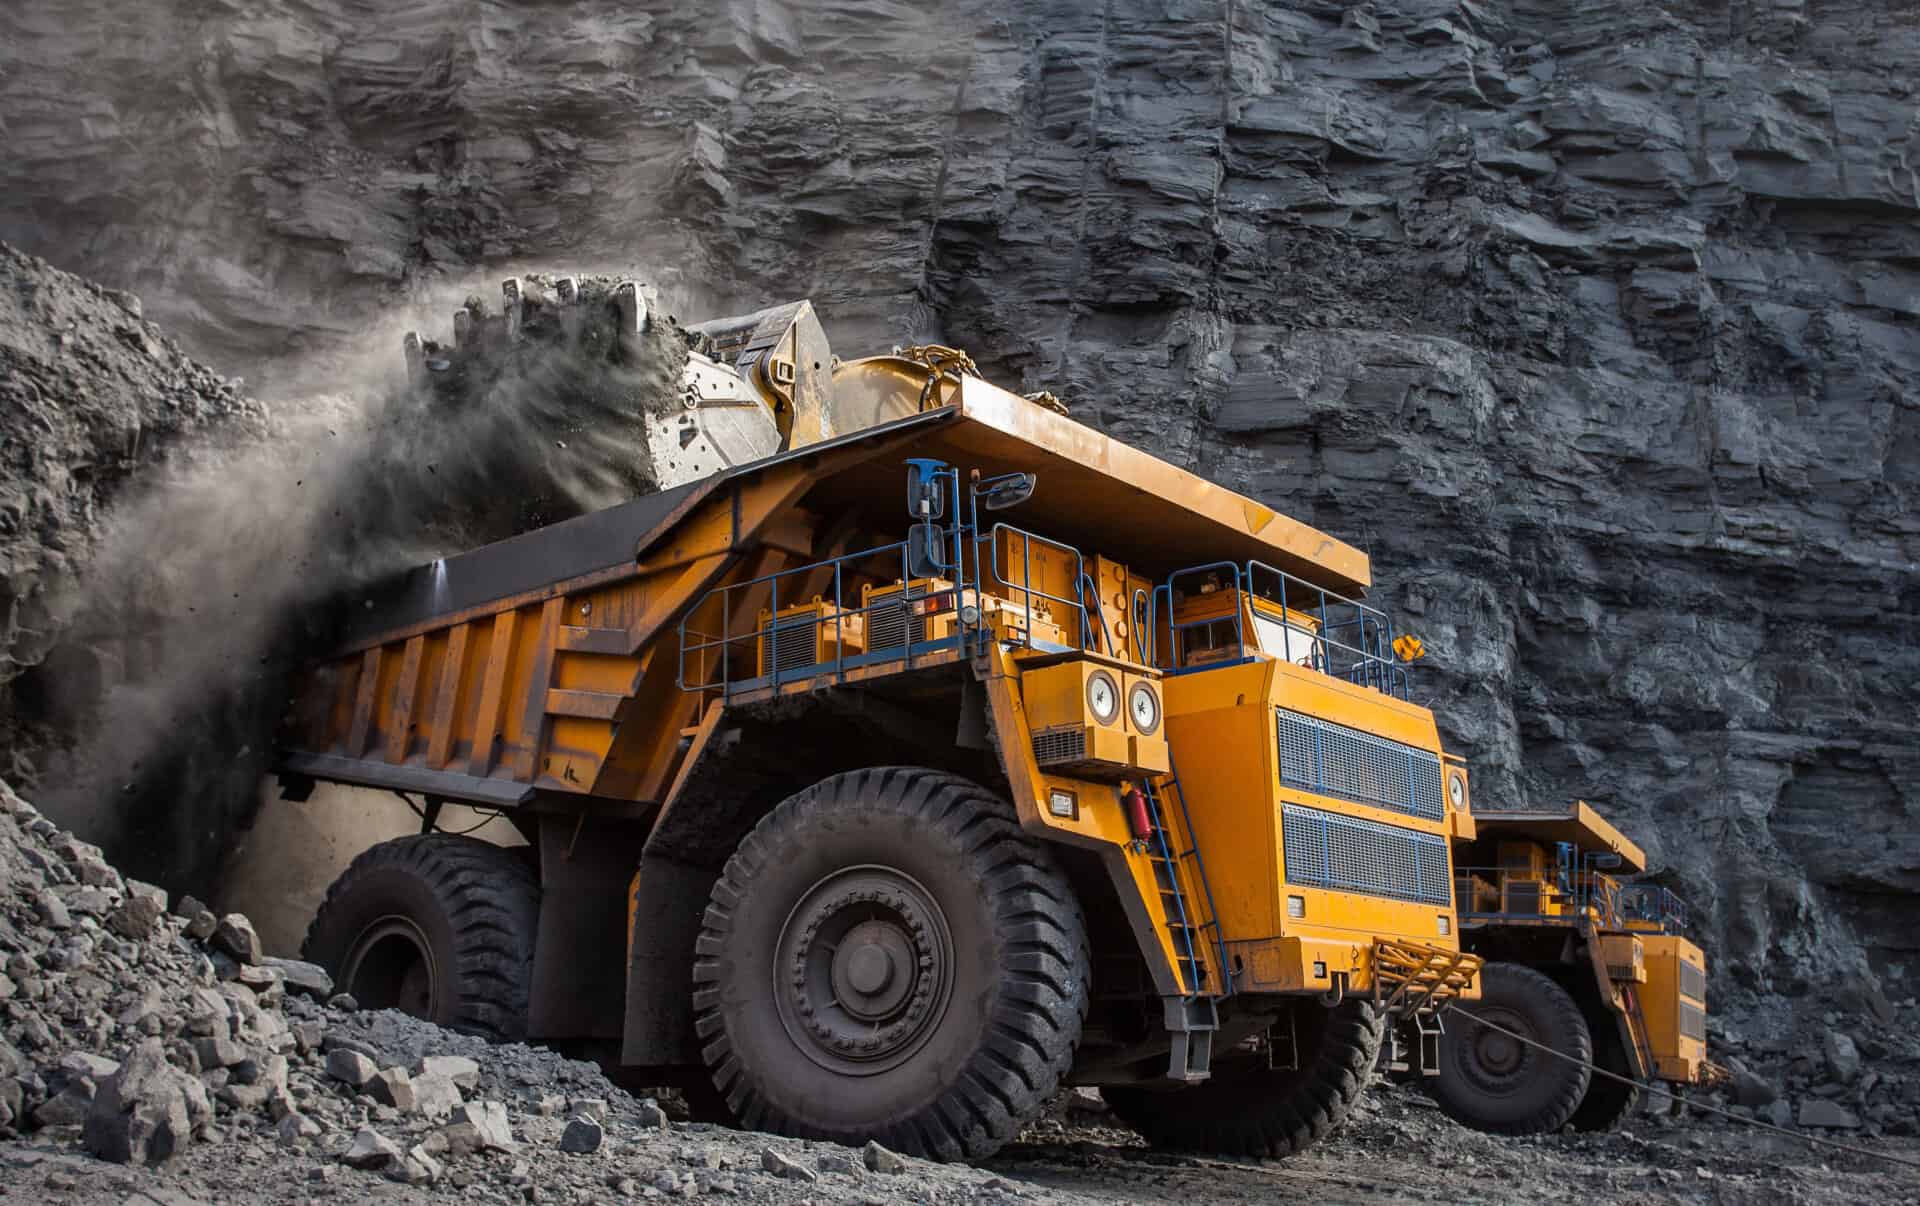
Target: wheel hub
[390,966]
[866,965]
[1496,1061]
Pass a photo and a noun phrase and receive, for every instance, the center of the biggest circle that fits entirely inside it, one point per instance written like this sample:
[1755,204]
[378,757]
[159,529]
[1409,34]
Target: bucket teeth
[416,357]
[462,327]
[567,290]
[510,300]
[632,308]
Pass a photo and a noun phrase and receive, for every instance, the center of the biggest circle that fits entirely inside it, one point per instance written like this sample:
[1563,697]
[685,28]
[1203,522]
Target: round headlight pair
[1103,700]
[1457,790]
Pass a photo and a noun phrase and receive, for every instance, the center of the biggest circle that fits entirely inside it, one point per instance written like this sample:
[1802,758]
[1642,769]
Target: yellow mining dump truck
[882,816]
[1578,959]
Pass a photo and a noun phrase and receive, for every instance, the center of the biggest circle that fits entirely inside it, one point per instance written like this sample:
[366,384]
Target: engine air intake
[1327,850]
[1333,760]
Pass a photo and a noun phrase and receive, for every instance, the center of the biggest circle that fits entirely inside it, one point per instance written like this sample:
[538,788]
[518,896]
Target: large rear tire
[1248,1109]
[438,926]
[1492,1082]
[886,956]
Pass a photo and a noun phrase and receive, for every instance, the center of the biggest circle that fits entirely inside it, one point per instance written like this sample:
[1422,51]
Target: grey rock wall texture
[1594,323]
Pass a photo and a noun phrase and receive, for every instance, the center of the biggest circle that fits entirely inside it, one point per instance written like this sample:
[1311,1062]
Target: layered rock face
[1594,324]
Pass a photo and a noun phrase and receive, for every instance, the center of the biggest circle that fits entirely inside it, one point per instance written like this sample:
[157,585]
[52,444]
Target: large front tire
[886,956]
[1608,1101]
[1493,1082]
[1248,1109]
[435,925]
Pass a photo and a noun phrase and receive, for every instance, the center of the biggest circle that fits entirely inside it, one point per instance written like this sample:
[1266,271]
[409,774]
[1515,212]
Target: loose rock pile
[1852,1072]
[156,1035]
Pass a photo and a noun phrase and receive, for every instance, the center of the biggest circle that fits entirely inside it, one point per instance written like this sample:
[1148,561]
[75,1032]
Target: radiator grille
[1693,1021]
[890,625]
[791,644]
[1327,850]
[1693,982]
[1064,744]
[1334,760]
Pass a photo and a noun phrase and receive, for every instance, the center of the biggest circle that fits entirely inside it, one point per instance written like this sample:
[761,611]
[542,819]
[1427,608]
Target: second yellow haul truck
[881,813]
[1583,967]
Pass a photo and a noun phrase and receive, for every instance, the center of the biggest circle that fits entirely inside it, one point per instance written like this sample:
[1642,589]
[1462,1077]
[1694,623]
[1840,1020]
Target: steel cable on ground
[1672,1096]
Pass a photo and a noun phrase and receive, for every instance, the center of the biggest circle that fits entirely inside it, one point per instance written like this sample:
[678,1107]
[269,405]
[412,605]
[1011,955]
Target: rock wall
[1593,323]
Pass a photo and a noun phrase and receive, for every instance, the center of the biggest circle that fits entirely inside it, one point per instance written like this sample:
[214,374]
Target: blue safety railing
[1348,640]
[1024,589]
[1654,905]
[1577,886]
[863,600]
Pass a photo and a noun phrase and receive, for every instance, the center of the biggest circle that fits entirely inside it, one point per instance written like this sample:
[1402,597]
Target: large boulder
[139,1114]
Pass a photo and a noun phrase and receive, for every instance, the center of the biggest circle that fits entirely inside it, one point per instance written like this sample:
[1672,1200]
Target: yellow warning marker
[1409,647]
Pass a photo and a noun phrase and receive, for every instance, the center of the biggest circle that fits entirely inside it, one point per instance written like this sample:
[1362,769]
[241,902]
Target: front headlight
[1457,790]
[1103,697]
[1143,708]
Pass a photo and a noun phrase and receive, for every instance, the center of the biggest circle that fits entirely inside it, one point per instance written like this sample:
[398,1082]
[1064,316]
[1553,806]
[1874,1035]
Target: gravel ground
[151,1053]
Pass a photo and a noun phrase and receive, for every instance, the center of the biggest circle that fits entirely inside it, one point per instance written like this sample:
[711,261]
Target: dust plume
[219,572]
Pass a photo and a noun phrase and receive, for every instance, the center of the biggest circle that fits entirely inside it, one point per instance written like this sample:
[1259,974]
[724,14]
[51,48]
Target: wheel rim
[864,970]
[391,967]
[1494,1062]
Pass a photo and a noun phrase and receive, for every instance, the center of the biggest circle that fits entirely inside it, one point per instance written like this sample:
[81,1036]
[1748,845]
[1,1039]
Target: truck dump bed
[549,663]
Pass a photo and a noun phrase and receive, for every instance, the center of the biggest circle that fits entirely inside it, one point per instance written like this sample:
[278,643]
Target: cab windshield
[1288,642]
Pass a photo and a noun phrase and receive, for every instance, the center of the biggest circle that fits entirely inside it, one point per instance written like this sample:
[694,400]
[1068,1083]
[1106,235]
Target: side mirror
[923,551]
[1008,491]
[925,498]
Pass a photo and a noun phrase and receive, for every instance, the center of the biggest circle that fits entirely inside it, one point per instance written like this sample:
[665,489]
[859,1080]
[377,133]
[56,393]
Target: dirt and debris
[150,1052]
[169,545]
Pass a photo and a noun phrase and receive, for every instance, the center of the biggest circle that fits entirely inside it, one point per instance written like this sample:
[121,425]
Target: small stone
[84,1063]
[53,914]
[139,915]
[435,1097]
[343,1002]
[672,1183]
[879,1159]
[393,1087]
[781,1166]
[235,936]
[582,1136]
[307,979]
[483,1126]
[69,1107]
[1815,1111]
[370,1149]
[588,1107]
[201,925]
[463,1072]
[297,1126]
[649,1114]
[245,1097]
[219,1052]
[418,1167]
[1843,1057]
[307,1036]
[350,1066]
[839,1162]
